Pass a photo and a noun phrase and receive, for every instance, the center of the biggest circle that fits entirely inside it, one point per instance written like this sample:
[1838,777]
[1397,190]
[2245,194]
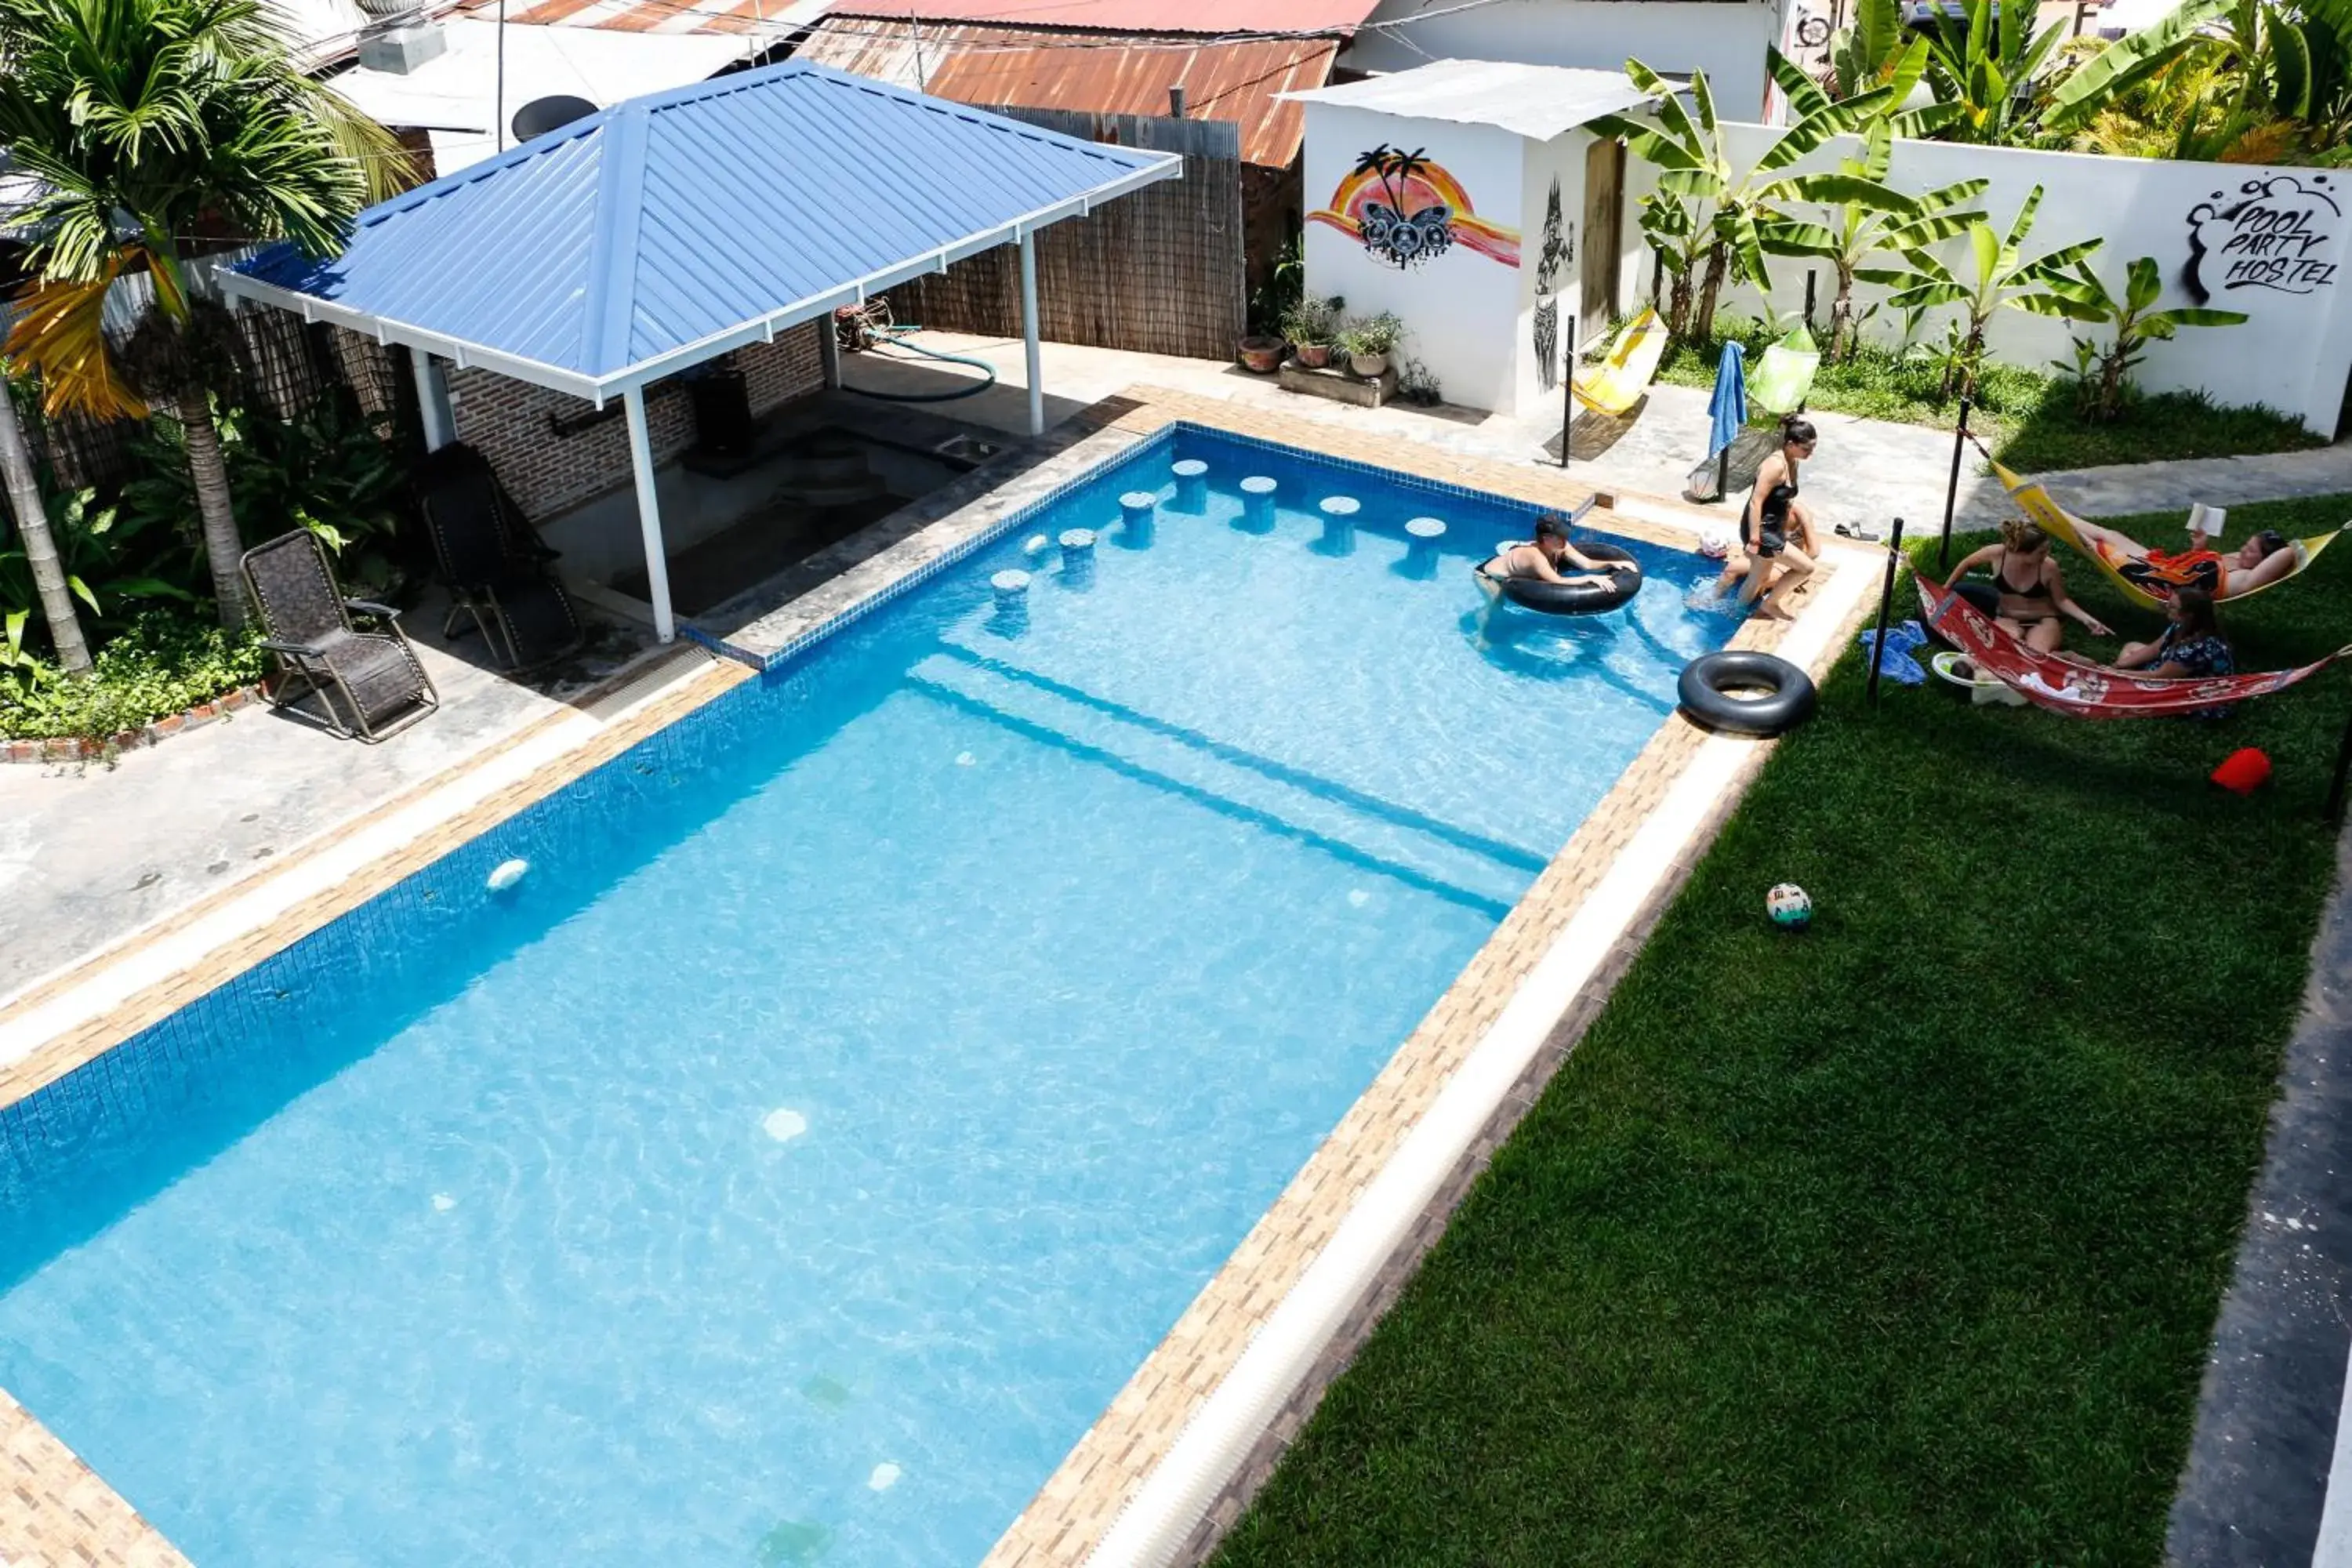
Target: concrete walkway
[91,854]
[1867,472]
[2253,1492]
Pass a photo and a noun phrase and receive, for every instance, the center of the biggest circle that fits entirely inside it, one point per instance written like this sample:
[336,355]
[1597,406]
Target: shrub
[162,663]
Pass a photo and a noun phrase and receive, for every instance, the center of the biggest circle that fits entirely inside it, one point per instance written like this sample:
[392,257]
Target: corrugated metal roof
[1541,102]
[1333,16]
[1025,68]
[772,20]
[660,232]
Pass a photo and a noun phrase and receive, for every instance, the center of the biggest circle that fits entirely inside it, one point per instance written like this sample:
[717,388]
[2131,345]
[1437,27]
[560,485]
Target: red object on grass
[2243,772]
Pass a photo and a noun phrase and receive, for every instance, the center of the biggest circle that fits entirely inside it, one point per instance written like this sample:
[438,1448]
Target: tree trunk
[1841,318]
[223,543]
[1678,302]
[1718,258]
[40,548]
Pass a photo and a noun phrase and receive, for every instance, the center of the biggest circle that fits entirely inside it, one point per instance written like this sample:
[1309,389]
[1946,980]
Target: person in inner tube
[1775,533]
[1541,561]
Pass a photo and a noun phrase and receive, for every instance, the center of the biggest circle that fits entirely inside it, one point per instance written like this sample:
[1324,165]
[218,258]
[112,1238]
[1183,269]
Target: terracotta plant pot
[1367,365]
[1314,356]
[1263,355]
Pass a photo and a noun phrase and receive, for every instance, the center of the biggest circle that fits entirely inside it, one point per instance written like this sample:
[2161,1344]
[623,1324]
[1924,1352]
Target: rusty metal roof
[1237,16]
[1101,73]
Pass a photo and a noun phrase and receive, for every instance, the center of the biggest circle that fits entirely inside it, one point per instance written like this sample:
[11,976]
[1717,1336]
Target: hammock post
[2343,770]
[1952,488]
[1567,386]
[1885,607]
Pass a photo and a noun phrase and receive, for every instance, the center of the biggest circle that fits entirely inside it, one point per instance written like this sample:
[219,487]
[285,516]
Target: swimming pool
[865,1073]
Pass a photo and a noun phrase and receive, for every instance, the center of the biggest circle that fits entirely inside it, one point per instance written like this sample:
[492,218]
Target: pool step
[1388,839]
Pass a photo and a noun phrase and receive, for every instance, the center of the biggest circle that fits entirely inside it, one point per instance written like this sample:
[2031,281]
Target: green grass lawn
[2027,418]
[1899,1242]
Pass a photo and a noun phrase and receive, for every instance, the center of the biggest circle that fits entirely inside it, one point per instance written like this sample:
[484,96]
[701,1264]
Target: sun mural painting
[1406,210]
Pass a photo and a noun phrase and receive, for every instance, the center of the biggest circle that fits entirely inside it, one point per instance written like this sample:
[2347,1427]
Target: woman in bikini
[2032,589]
[1777,531]
[2257,564]
[1543,560]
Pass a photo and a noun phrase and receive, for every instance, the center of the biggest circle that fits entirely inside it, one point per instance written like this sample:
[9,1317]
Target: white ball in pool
[1036,543]
[1715,542]
[1790,907]
[507,873]
[785,1125]
[886,1476]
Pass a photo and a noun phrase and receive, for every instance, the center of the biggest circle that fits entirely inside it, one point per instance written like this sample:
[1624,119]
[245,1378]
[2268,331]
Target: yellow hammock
[2046,514]
[1618,382]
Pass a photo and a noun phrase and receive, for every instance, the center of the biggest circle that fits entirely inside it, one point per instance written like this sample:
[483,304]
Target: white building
[1503,236]
[1726,38]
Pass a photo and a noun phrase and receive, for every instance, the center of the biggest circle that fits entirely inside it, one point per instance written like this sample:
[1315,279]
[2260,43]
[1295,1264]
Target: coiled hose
[897,339]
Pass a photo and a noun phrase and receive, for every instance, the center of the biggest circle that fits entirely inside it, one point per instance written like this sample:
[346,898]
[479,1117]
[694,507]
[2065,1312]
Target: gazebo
[640,241]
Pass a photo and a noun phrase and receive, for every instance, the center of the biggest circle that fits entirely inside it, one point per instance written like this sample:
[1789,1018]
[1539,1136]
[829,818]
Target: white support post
[641,463]
[433,401]
[828,349]
[1029,332]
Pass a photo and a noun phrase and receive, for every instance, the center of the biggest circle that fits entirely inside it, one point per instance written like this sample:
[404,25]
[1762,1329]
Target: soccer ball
[1790,907]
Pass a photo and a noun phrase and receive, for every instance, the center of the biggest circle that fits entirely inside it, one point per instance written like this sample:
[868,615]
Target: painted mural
[2280,233]
[1406,210]
[1558,250]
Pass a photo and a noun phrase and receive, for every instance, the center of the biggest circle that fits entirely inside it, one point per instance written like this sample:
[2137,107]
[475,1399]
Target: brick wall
[510,422]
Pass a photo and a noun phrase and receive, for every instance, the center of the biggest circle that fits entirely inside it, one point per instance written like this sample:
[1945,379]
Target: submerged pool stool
[1257,505]
[1422,535]
[1077,557]
[1136,509]
[1191,485]
[1012,590]
[1338,525]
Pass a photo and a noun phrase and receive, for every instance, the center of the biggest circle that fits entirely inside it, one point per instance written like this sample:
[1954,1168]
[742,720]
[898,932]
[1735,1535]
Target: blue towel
[1729,407]
[1896,663]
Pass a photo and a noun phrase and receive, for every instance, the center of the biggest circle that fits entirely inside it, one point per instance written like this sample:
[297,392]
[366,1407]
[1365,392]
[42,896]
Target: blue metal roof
[668,228]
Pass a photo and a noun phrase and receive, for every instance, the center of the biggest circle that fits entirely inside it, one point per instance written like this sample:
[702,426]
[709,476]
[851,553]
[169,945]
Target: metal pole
[1885,606]
[1029,332]
[828,349]
[2343,770]
[1176,102]
[641,465]
[1723,471]
[1952,488]
[1566,387]
[499,102]
[432,401]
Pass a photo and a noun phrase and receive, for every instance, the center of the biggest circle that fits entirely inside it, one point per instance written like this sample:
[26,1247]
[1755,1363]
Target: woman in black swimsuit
[2032,589]
[1776,533]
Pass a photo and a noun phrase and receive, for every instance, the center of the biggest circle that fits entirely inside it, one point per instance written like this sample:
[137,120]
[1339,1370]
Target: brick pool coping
[67,1514]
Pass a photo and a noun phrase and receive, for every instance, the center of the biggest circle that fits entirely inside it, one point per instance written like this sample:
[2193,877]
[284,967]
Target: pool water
[863,1077]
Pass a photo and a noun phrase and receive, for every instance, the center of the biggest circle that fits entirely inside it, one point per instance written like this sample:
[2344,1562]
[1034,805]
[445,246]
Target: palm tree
[2000,278]
[40,547]
[158,129]
[1866,216]
[1694,166]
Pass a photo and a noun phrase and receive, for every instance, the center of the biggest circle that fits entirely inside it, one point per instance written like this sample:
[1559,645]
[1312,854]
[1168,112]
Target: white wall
[1726,38]
[2295,283]
[1462,310]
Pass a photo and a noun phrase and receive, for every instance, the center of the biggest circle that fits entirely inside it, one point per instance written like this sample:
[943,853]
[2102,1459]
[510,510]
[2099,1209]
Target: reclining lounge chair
[369,683]
[495,566]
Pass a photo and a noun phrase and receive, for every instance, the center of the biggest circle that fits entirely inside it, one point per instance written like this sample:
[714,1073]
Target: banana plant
[2129,61]
[1864,53]
[2103,373]
[1999,277]
[1864,217]
[1694,171]
[1985,64]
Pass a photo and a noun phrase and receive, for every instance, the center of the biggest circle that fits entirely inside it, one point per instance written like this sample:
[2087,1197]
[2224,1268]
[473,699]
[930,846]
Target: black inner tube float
[1709,679]
[1574,598]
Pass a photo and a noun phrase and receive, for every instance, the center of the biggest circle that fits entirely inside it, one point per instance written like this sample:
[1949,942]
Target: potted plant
[1261,354]
[1368,342]
[1312,325]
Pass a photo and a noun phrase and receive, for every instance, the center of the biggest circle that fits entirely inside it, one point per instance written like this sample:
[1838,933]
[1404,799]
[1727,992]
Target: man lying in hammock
[2262,560]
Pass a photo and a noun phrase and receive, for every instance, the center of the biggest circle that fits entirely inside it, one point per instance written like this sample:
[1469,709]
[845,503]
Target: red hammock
[2067,685]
